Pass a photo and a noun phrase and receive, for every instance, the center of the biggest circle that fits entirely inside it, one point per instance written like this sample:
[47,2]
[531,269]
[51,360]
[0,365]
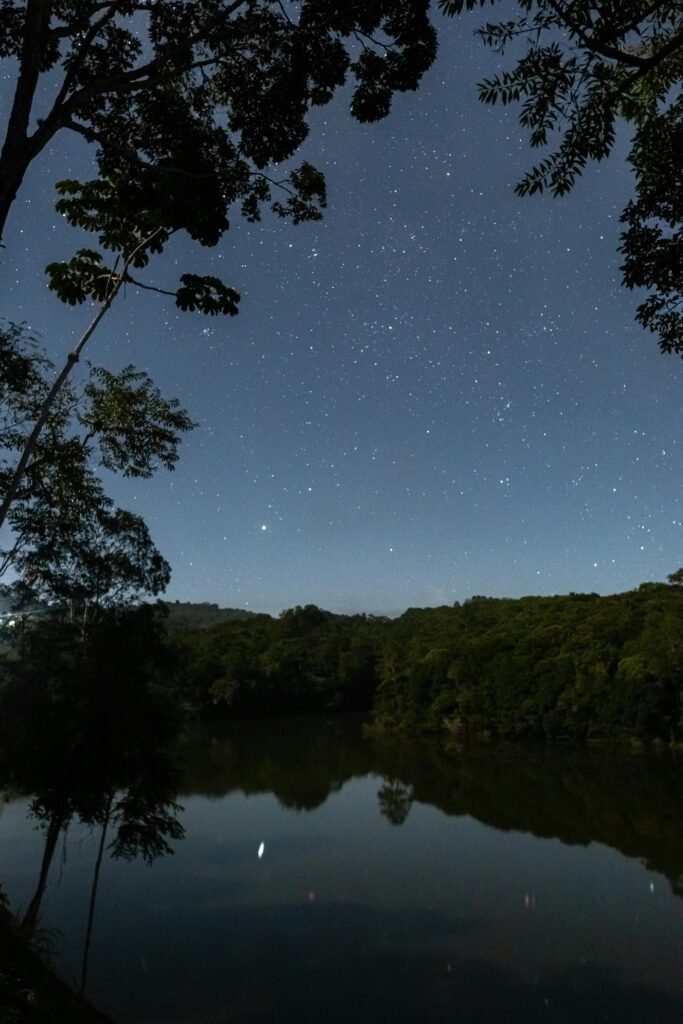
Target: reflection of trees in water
[300,760]
[86,729]
[577,794]
[395,800]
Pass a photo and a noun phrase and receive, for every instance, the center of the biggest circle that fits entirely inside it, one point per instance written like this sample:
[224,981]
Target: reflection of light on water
[530,900]
[260,850]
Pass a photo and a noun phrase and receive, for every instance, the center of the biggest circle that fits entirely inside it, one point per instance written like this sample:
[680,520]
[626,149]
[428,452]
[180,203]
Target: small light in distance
[260,850]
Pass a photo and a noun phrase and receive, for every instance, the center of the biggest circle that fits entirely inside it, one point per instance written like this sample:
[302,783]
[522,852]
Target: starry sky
[438,391]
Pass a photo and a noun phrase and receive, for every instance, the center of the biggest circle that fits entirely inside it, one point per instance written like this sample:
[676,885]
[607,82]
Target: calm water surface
[328,877]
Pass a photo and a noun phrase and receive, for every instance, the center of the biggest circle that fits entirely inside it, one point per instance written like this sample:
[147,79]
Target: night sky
[438,391]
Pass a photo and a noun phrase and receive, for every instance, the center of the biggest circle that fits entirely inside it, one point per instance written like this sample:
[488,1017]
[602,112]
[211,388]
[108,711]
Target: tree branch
[149,287]
[90,135]
[128,79]
[109,13]
[115,283]
[35,25]
[18,149]
[590,43]
[643,16]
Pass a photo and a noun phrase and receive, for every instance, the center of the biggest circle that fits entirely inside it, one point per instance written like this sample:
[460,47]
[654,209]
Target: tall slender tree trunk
[30,919]
[93,894]
[14,161]
[19,148]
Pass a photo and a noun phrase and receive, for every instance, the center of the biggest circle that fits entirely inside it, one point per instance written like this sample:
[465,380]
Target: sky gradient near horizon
[438,391]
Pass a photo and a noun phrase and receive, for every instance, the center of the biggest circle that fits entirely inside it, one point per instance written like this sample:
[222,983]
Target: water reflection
[301,760]
[630,801]
[90,745]
[395,800]
[367,889]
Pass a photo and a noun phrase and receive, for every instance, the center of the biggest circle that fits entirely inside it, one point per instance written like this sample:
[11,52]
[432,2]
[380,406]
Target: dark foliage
[188,107]
[69,543]
[582,68]
[307,660]
[579,666]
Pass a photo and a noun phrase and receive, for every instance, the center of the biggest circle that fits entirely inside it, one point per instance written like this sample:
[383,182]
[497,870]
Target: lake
[328,876]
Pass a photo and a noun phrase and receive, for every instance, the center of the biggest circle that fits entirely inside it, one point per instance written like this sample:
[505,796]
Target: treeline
[182,615]
[307,660]
[579,666]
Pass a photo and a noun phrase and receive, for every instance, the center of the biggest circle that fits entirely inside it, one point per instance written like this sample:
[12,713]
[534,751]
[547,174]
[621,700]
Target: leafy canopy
[581,67]
[68,542]
[188,105]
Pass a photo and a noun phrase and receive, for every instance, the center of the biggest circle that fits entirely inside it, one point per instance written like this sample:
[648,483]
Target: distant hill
[188,615]
[8,605]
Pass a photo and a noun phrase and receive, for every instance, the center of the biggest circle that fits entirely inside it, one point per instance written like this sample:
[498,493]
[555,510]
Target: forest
[576,667]
[579,666]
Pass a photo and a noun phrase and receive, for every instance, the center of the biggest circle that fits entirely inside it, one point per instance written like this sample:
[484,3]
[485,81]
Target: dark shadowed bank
[86,732]
[29,991]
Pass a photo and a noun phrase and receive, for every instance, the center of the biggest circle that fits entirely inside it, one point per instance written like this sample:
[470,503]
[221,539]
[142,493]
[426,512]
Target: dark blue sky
[438,391]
